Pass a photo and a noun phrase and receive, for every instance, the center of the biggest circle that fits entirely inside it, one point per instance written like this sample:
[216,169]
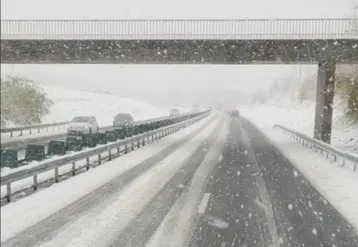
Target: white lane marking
[204,203]
[264,196]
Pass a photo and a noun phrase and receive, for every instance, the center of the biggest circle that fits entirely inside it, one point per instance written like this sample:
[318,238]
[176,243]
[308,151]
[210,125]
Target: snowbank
[70,102]
[300,117]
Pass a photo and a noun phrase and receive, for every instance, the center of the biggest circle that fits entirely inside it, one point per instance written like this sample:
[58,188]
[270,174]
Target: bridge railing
[37,127]
[325,149]
[104,152]
[181,29]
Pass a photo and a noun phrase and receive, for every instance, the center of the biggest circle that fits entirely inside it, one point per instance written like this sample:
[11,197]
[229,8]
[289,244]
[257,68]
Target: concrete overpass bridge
[323,42]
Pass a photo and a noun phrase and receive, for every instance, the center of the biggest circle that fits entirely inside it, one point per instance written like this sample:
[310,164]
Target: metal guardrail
[323,148]
[32,127]
[86,154]
[181,29]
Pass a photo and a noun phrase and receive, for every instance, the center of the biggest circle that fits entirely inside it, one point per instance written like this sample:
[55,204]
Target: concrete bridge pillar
[324,101]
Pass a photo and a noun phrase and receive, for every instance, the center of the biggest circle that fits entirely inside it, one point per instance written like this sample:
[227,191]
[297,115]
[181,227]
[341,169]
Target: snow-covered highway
[218,182]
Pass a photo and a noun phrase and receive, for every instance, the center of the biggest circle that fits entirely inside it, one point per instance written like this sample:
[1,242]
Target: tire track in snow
[139,231]
[101,226]
[177,226]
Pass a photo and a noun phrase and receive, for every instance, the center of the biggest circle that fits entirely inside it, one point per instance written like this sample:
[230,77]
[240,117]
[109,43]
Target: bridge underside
[326,53]
[178,51]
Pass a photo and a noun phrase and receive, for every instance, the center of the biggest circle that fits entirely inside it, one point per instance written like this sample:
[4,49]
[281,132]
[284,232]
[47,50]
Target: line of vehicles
[83,131]
[234,114]
[89,125]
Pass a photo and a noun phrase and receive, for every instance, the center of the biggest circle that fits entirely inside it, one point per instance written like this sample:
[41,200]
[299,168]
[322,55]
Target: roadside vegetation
[346,96]
[22,101]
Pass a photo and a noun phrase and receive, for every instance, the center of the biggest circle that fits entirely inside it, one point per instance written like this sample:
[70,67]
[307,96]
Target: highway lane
[44,138]
[48,228]
[139,231]
[257,198]
[20,144]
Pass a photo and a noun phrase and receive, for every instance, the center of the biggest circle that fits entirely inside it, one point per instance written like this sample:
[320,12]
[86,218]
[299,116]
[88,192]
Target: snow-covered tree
[22,101]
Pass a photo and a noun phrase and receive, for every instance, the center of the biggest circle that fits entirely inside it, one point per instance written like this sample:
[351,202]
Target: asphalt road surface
[257,198]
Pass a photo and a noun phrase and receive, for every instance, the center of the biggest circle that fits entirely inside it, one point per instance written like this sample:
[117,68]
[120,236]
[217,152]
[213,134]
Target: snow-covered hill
[69,103]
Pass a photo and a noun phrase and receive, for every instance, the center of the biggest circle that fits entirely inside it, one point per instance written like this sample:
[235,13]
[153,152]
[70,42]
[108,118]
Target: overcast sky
[162,84]
[168,84]
[158,9]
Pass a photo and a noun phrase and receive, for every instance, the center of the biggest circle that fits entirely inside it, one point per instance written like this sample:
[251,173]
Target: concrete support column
[324,101]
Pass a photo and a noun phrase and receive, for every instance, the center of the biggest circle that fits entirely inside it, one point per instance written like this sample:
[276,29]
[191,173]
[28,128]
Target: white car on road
[83,125]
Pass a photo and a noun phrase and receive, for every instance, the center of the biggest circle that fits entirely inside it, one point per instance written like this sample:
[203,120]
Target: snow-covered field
[69,103]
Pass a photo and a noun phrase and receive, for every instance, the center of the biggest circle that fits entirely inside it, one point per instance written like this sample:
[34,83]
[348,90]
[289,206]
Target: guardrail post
[38,130]
[109,155]
[20,132]
[355,167]
[126,148]
[35,182]
[11,135]
[138,143]
[73,168]
[30,131]
[87,163]
[56,174]
[8,192]
[99,159]
[119,151]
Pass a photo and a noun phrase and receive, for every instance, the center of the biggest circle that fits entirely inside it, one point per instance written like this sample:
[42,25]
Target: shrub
[22,101]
